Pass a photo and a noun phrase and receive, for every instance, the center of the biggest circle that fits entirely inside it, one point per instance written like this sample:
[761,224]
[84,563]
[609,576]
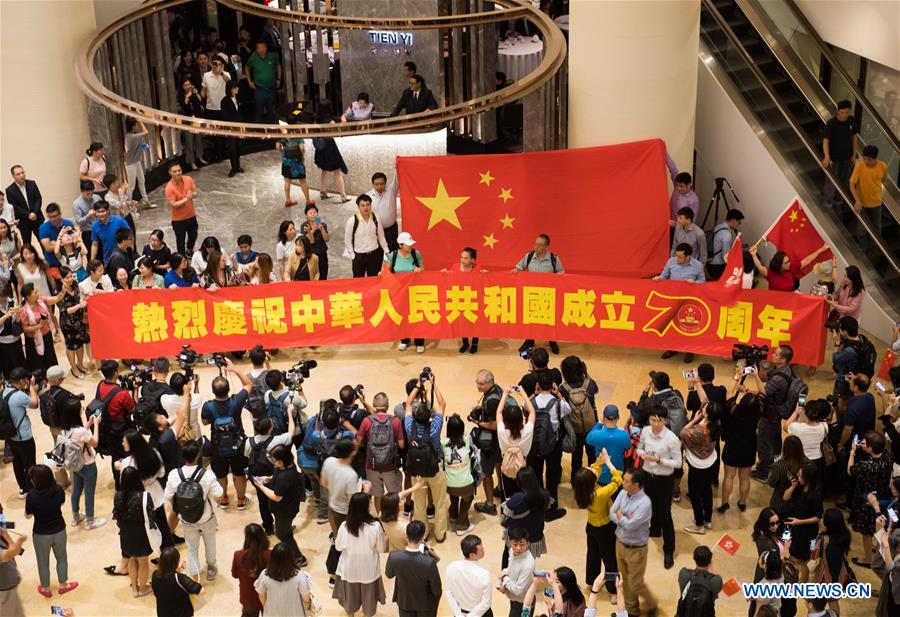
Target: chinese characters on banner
[703,319]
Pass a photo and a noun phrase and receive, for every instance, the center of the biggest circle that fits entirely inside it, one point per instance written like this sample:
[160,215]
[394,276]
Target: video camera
[187,358]
[751,354]
[132,380]
[299,373]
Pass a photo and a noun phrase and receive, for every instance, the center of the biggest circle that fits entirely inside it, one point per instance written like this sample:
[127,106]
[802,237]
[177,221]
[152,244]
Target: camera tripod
[717,197]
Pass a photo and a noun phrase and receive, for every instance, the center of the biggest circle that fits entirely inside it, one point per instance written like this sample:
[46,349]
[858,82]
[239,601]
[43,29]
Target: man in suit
[417,591]
[231,113]
[416,99]
[26,202]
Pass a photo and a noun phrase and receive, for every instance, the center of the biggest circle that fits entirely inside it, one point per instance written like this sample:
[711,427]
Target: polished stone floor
[251,203]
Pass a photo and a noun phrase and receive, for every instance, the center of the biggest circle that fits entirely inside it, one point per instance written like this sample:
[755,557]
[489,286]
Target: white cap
[405,238]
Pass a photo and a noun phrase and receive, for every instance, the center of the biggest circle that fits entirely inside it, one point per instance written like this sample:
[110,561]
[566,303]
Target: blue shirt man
[48,233]
[608,435]
[682,267]
[20,397]
[103,231]
[631,510]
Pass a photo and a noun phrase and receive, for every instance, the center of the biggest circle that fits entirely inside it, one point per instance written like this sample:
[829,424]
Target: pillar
[633,73]
[44,122]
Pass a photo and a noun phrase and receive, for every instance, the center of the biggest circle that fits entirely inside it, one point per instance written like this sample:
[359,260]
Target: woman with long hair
[146,277]
[293,169]
[785,468]
[157,250]
[466,264]
[283,588]
[329,161]
[766,535]
[849,296]
[804,502]
[527,509]
[809,423]
[73,322]
[201,257]
[171,587]
[580,392]
[564,583]
[246,566]
[150,467]
[10,241]
[394,526]
[832,549]
[138,535]
[302,264]
[457,446]
[93,168]
[870,474]
[600,531]
[35,317]
[361,540]
[779,272]
[33,269]
[86,434]
[699,438]
[218,272]
[119,200]
[44,503]
[515,434]
[287,231]
[743,409]
[11,354]
[263,272]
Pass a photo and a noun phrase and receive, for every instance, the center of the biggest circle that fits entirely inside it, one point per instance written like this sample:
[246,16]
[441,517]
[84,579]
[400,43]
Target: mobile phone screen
[801,400]
[812,545]
[610,576]
[880,386]
[57,610]
[786,535]
[748,370]
[893,514]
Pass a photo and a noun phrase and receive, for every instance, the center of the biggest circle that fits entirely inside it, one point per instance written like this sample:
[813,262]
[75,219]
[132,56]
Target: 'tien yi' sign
[391,37]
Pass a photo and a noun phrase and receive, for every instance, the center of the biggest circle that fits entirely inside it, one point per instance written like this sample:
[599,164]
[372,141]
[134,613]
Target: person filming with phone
[777,382]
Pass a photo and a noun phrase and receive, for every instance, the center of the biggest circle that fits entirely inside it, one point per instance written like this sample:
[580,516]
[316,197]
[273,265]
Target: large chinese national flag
[604,208]
[795,234]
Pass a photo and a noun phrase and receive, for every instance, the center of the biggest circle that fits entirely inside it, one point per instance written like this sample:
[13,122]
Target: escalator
[792,107]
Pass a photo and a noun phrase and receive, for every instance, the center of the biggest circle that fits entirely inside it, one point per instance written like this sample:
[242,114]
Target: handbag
[828,455]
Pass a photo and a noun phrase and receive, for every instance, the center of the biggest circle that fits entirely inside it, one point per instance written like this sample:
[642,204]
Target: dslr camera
[299,373]
[217,359]
[751,354]
[187,358]
[133,379]
[425,375]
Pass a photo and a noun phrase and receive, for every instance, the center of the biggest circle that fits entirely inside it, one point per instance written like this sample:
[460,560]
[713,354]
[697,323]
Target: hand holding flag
[795,234]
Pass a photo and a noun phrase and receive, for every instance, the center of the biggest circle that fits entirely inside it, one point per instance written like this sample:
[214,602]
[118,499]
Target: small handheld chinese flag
[731,587]
[733,275]
[728,544]
[795,234]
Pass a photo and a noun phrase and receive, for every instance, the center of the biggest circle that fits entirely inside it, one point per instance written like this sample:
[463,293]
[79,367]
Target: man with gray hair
[381,434]
[51,400]
[484,416]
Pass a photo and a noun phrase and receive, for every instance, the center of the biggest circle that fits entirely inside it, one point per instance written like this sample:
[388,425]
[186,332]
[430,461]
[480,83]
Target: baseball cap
[611,412]
[405,238]
[56,372]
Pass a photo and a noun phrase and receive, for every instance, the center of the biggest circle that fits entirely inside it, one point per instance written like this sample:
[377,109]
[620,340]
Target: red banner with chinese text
[702,319]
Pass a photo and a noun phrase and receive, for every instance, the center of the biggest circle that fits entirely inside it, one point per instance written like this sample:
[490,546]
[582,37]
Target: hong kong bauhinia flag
[604,208]
[795,234]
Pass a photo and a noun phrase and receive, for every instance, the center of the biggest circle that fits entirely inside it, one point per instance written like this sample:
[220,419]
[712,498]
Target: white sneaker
[462,532]
[708,525]
[402,347]
[420,348]
[22,494]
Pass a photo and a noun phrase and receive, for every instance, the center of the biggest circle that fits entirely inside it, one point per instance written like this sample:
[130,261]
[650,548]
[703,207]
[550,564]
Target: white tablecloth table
[520,58]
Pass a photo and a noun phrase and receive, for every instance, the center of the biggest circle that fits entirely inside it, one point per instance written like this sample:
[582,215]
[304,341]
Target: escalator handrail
[836,64]
[723,25]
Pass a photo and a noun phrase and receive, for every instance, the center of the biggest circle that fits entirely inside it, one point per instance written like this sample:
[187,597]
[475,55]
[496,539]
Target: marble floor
[251,203]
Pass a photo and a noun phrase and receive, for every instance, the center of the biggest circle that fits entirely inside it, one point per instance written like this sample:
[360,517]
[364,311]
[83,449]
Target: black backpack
[420,457]
[189,501]
[381,446]
[227,434]
[110,430]
[259,461]
[8,428]
[149,402]
[866,356]
[544,435]
[697,598]
[276,409]
[47,402]
[327,444]
[256,401]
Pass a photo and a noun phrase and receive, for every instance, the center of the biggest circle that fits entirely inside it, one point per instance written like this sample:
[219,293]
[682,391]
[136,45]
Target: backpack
[256,402]
[796,387]
[381,447]
[69,452]
[356,219]
[420,457]
[110,430]
[513,460]
[227,436]
[569,440]
[674,404]
[866,356]
[415,258]
[189,501]
[149,402]
[696,599]
[326,445]
[711,240]
[530,256]
[584,416]
[277,411]
[484,439]
[544,435]
[48,409]
[259,460]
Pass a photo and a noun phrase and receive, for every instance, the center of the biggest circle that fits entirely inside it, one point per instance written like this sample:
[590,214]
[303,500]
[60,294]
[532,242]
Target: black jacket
[413,104]
[230,113]
[23,209]
[418,586]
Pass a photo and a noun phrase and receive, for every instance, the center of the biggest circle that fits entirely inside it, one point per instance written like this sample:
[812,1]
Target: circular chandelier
[554,56]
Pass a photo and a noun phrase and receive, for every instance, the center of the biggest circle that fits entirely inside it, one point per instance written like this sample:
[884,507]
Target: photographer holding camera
[152,390]
[484,416]
[279,398]
[51,400]
[776,389]
[423,452]
[538,359]
[20,395]
[224,414]
[116,405]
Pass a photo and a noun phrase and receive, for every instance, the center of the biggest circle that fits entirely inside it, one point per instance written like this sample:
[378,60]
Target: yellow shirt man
[866,183]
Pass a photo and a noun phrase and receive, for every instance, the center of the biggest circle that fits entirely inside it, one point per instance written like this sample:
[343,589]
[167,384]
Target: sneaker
[321,520]
[21,494]
[243,503]
[429,512]
[555,514]
[45,591]
[331,582]
[420,348]
[699,530]
[301,561]
[708,525]
[402,346]
[486,508]
[554,347]
[77,519]
[94,523]
[407,508]
[462,532]
[222,502]
[211,572]
[676,496]
[68,587]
